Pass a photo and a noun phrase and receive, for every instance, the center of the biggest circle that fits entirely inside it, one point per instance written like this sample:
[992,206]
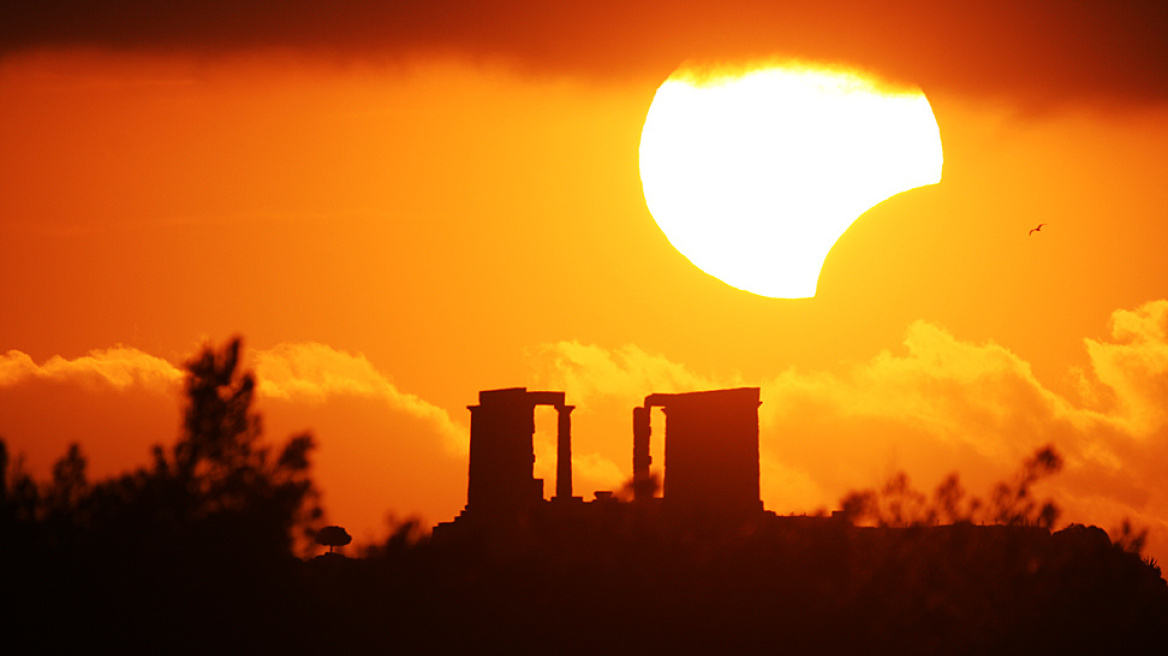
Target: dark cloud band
[1046,51]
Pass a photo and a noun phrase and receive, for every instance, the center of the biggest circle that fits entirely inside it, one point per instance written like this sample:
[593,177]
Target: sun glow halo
[753,175]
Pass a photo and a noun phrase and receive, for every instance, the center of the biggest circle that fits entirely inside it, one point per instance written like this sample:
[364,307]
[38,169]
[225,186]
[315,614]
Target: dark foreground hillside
[828,588]
[798,589]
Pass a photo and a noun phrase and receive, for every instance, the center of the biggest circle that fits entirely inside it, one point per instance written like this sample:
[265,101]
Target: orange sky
[393,227]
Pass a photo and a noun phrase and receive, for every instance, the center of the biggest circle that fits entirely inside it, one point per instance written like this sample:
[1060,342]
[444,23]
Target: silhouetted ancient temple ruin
[711,470]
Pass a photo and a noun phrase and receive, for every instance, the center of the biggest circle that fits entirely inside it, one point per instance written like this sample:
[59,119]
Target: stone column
[564,452]
[642,484]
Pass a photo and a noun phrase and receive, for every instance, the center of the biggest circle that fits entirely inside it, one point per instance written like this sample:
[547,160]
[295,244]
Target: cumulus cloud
[120,368]
[301,373]
[1134,366]
[980,394]
[937,403]
[589,373]
[1045,49]
[313,372]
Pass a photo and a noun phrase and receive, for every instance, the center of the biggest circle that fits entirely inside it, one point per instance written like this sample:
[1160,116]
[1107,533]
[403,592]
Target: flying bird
[1034,230]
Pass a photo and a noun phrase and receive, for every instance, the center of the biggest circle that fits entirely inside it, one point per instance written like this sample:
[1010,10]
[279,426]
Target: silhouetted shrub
[332,537]
[897,504]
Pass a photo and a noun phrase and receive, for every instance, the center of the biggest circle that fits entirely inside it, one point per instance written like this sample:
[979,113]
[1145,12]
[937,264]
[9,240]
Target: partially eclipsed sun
[754,174]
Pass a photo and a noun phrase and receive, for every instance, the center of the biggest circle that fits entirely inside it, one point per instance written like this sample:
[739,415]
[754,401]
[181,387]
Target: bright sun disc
[753,175]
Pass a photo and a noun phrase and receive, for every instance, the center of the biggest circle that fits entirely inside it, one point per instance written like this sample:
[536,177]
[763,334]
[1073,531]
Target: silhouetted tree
[196,539]
[19,495]
[218,484]
[69,485]
[1013,504]
[218,474]
[332,537]
[20,503]
[1131,539]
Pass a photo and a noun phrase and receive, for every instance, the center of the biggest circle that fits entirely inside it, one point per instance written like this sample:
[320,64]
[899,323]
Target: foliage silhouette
[333,536]
[188,542]
[897,504]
